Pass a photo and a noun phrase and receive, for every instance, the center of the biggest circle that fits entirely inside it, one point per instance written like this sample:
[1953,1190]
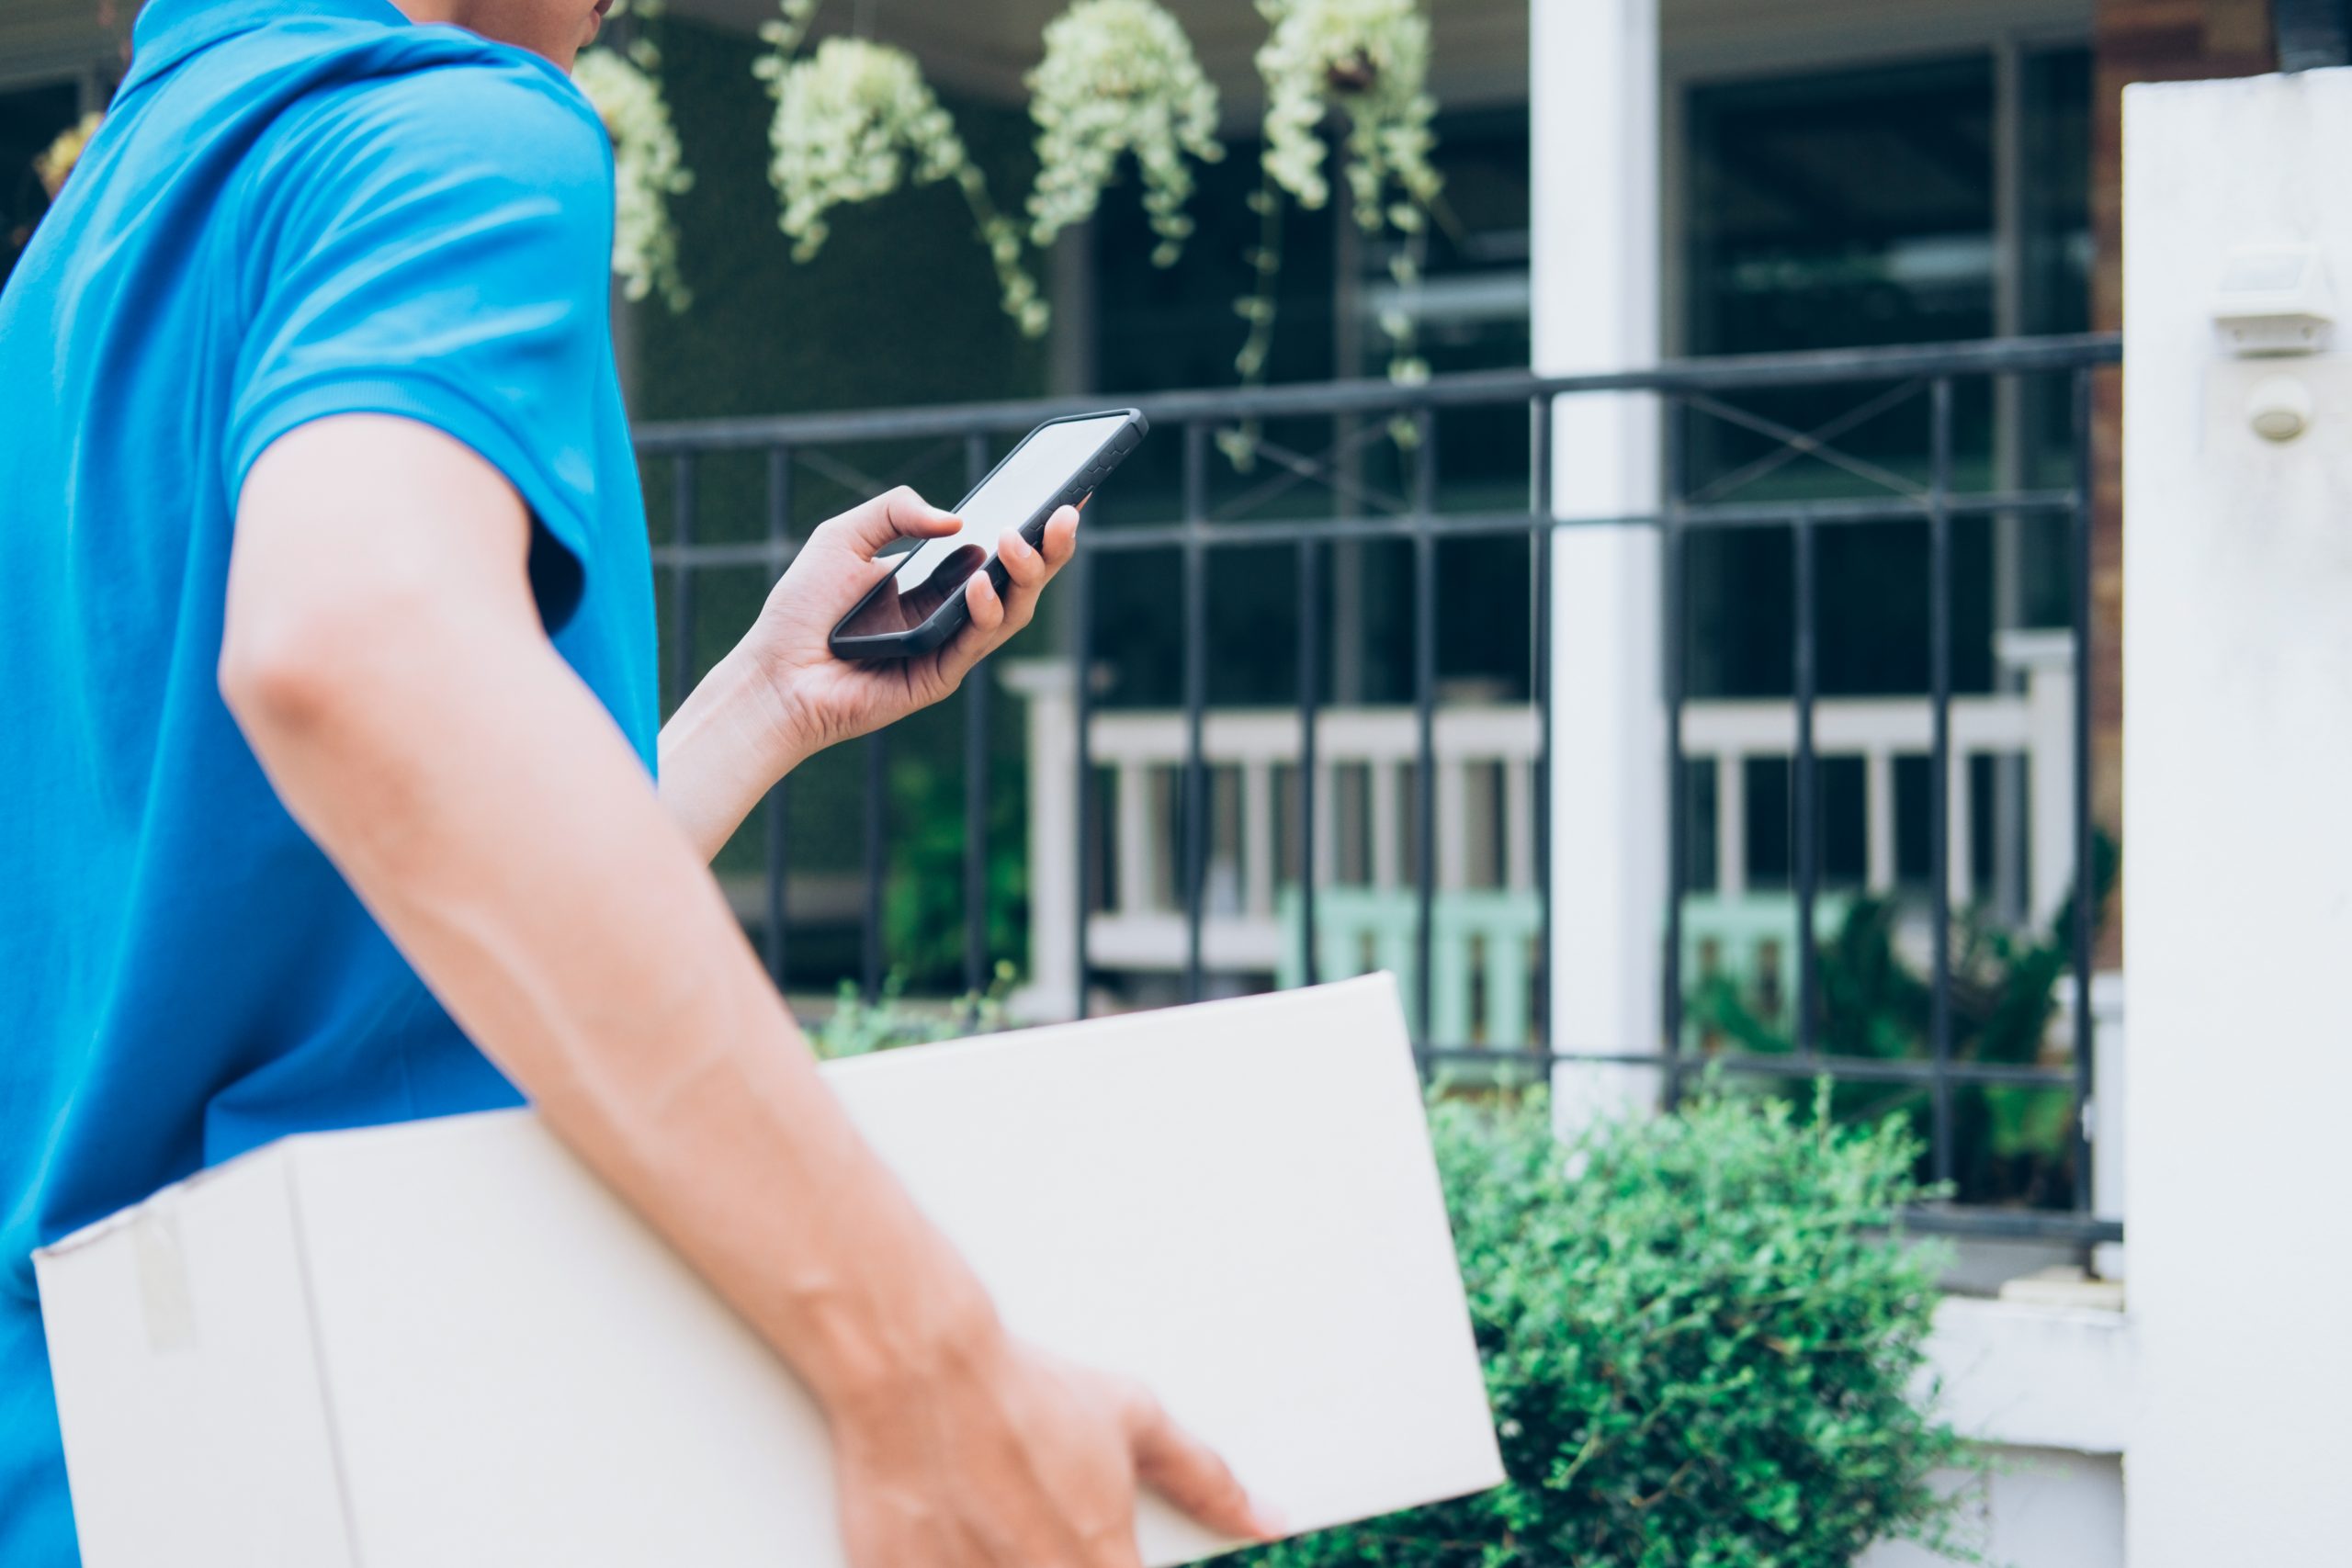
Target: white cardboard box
[445,1344]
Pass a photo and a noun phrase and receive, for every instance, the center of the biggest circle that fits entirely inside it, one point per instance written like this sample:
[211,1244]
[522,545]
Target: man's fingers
[946,577]
[987,608]
[1061,538]
[1022,562]
[1183,1469]
[893,514]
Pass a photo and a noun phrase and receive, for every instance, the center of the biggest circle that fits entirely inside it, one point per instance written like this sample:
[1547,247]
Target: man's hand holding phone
[781,696]
[849,642]
[822,699]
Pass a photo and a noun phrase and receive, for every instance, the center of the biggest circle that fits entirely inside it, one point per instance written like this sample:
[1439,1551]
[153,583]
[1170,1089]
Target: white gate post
[1593,109]
[2237,686]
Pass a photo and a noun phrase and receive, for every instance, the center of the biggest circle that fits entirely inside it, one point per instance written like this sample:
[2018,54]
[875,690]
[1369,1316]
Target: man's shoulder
[440,99]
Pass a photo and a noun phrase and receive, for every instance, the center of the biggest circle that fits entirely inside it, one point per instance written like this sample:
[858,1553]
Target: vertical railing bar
[1082,593]
[876,781]
[682,574]
[1425,719]
[1939,612]
[1804,796]
[778,807]
[1310,629]
[1539,506]
[975,783]
[1678,808]
[1195,816]
[2085,890]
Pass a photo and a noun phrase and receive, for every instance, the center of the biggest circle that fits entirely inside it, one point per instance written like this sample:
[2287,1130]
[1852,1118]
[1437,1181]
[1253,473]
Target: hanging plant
[646,166]
[1119,77]
[1365,61]
[854,121]
[56,160]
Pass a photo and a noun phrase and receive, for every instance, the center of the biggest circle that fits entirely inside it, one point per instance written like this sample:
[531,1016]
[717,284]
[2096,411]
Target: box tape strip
[164,1295]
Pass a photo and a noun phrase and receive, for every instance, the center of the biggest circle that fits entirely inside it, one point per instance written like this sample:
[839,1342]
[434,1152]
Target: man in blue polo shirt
[327,684]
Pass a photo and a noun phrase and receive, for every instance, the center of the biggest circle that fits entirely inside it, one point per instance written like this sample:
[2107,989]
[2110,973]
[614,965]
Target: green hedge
[1703,1349]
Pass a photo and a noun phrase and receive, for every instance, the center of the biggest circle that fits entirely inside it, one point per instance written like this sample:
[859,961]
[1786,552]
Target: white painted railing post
[1593,103]
[1049,687]
[2047,660]
[1731,825]
[1258,836]
[1878,818]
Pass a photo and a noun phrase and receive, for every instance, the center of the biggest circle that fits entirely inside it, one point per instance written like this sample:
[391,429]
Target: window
[1941,201]
[1935,201]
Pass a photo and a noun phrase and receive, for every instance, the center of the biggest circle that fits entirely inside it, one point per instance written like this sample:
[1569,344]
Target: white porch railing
[1365,858]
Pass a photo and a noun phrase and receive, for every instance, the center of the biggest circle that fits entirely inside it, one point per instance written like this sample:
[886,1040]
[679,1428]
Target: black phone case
[951,616]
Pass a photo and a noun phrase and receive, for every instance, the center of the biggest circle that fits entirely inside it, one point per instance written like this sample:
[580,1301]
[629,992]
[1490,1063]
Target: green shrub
[1701,1344]
[859,1027]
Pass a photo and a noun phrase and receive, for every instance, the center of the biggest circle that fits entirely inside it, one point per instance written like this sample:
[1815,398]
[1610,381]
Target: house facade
[1630,182]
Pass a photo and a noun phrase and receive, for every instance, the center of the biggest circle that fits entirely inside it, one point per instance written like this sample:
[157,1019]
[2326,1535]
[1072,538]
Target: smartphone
[921,604]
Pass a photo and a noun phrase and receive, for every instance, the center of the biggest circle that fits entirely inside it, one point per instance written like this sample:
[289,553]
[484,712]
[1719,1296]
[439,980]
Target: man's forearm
[721,751]
[483,804]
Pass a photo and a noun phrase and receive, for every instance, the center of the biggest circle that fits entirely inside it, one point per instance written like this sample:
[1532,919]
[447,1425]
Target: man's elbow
[271,678]
[290,670]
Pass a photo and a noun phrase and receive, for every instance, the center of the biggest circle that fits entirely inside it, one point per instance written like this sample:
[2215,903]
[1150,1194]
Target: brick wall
[2138,40]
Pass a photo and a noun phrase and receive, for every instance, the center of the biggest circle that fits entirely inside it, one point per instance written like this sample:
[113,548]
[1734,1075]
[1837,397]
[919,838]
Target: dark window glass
[30,119]
[1161,327]
[1856,207]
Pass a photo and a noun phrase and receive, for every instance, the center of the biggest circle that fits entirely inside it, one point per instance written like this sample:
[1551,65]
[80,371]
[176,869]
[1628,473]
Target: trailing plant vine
[1119,77]
[647,167]
[855,121]
[1366,63]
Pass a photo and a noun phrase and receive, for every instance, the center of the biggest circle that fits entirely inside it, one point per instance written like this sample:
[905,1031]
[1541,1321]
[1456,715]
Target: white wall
[2036,1508]
[2238,845]
[2049,1388]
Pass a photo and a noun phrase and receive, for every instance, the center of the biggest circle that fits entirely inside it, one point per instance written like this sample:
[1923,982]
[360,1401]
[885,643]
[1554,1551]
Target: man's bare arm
[385,660]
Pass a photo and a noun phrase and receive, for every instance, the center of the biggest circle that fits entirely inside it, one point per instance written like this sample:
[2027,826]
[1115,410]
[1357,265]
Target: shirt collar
[170,30]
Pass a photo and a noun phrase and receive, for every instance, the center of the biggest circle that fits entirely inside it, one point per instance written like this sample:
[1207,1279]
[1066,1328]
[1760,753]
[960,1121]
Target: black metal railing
[1765,413]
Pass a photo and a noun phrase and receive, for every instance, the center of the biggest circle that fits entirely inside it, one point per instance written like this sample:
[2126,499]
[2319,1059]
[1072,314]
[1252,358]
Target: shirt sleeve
[436,246]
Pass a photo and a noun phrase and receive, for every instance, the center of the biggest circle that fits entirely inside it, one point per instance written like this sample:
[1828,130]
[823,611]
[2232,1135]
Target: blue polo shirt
[295,208]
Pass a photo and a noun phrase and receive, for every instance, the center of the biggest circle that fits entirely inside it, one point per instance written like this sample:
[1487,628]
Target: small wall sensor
[2274,300]
[2279,408]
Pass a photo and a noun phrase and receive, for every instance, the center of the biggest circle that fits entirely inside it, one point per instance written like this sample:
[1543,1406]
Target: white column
[1593,111]
[2237,653]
